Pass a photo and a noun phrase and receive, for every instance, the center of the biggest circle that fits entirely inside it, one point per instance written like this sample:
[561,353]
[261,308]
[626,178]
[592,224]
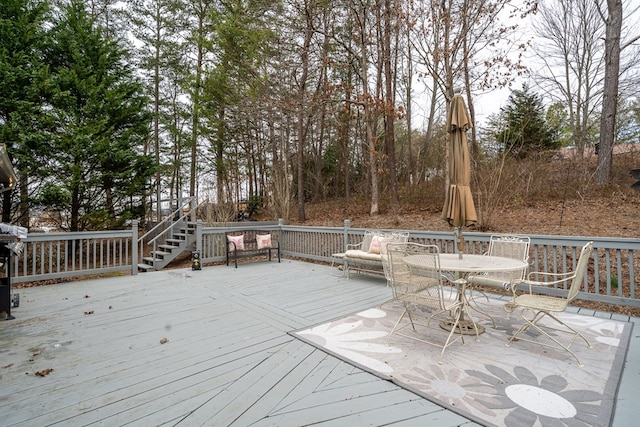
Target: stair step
[145,267]
[175,242]
[182,237]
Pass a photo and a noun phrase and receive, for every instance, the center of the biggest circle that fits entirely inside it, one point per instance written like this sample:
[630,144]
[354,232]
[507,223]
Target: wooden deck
[228,359]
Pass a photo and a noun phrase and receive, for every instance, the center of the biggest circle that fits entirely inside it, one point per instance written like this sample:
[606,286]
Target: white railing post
[134,247]
[199,237]
[347,225]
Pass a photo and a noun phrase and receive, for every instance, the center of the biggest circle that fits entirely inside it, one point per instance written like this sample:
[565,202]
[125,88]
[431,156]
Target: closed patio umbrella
[459,209]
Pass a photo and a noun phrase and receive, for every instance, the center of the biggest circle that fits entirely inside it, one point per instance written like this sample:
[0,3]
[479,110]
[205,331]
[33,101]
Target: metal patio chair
[423,295]
[543,306]
[507,246]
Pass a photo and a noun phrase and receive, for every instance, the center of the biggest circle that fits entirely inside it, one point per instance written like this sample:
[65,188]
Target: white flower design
[373,313]
[343,340]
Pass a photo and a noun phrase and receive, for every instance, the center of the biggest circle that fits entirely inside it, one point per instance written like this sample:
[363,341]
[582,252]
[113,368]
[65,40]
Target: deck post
[199,236]
[134,247]
[347,225]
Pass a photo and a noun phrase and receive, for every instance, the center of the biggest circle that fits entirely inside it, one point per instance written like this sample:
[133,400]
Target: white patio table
[462,267]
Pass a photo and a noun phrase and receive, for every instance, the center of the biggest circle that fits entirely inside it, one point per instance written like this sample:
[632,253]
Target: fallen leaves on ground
[44,372]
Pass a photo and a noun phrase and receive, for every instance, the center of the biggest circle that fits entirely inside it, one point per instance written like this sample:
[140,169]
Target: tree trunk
[374,208]
[344,128]
[409,88]
[196,110]
[610,94]
[302,86]
[25,214]
[389,111]
[156,121]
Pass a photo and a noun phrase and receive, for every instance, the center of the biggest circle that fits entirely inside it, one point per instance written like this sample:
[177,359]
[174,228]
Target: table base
[464,327]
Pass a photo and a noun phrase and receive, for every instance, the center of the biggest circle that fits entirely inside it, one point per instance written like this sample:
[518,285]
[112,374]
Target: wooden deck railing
[613,273]
[57,255]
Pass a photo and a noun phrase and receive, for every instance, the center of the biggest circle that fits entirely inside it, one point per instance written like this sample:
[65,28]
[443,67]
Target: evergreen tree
[558,118]
[521,129]
[100,122]
[155,26]
[232,86]
[22,77]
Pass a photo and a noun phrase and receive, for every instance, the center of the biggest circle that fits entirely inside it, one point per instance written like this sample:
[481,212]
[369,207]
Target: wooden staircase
[166,241]
[180,241]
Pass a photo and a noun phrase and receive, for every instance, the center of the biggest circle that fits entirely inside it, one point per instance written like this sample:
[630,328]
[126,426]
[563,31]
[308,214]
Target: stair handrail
[163,224]
[169,217]
[170,227]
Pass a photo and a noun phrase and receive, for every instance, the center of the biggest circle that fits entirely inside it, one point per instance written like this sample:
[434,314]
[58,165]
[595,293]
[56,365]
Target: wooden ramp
[228,359]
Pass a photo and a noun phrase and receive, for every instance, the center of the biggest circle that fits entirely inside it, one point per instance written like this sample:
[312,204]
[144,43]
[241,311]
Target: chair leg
[576,333]
[411,319]
[447,343]
[525,326]
[386,302]
[510,307]
[396,325]
[533,322]
[337,269]
[394,295]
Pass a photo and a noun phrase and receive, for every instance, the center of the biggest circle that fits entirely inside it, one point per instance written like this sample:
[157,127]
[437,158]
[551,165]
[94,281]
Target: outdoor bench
[250,244]
[366,256]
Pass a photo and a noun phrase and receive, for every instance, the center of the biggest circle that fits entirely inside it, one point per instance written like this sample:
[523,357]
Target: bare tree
[302,89]
[613,23]
[612,49]
[388,54]
[572,62]
[361,12]
[463,43]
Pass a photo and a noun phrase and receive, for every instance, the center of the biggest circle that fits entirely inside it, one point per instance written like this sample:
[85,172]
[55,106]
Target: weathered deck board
[228,361]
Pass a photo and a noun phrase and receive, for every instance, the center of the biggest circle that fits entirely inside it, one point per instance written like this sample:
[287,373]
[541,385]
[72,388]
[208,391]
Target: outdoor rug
[485,381]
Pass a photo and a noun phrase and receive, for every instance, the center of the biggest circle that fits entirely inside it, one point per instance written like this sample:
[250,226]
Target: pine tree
[101,122]
[22,77]
[155,26]
[523,129]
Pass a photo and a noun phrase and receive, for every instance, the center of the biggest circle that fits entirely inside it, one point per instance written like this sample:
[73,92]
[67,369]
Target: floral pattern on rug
[521,385]
[343,339]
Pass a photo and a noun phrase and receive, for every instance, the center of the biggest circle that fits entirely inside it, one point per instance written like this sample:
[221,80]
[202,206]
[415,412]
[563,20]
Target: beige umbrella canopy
[459,209]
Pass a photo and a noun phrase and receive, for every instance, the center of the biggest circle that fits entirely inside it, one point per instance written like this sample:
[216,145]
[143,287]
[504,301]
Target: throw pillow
[263,240]
[376,241]
[238,240]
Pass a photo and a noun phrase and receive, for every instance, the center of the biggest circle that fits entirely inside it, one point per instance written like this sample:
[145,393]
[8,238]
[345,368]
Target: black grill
[7,299]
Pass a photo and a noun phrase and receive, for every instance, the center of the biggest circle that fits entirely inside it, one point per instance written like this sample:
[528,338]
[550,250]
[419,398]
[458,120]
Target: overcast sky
[491,102]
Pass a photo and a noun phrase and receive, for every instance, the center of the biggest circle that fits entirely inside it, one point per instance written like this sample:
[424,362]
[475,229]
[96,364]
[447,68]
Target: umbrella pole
[459,242]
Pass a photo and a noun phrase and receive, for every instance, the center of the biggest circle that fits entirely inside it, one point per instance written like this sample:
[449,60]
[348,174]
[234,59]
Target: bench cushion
[358,254]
